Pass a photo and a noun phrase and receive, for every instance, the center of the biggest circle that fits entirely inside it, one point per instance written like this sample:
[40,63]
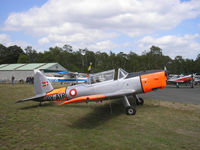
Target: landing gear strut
[177,85]
[130,110]
[192,84]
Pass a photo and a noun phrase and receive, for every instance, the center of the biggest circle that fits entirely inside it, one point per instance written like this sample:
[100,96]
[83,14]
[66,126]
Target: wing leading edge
[99,96]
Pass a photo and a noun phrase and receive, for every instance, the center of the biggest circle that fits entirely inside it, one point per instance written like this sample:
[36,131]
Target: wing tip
[62,103]
[19,101]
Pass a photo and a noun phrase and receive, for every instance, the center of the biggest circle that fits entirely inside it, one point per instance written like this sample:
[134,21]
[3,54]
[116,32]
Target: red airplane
[188,79]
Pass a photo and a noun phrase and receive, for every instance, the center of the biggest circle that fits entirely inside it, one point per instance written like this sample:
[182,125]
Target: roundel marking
[73,92]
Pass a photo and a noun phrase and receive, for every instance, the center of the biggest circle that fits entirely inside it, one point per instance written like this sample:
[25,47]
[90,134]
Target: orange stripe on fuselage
[59,93]
[84,98]
[153,81]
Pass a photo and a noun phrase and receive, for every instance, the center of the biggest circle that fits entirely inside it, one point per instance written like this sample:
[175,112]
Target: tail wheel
[130,110]
[140,101]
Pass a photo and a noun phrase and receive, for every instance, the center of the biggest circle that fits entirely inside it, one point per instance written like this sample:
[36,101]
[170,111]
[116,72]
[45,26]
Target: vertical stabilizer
[41,83]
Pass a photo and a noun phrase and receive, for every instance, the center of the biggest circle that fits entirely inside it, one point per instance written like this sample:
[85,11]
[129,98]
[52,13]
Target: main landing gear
[177,85]
[139,100]
[130,110]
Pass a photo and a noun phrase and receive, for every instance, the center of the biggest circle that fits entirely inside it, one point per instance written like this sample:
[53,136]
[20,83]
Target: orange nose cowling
[153,81]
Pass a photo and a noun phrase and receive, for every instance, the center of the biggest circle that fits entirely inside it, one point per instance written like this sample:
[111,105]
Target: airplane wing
[176,81]
[34,98]
[99,96]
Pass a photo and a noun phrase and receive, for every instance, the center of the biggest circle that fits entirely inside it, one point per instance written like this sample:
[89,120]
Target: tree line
[79,60]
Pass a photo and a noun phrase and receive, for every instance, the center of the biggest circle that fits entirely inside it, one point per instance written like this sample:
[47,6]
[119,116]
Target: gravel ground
[183,94]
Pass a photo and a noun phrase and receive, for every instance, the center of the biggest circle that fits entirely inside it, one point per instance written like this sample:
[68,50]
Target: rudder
[41,83]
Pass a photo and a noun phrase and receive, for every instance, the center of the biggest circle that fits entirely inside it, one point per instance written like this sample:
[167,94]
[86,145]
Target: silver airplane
[126,84]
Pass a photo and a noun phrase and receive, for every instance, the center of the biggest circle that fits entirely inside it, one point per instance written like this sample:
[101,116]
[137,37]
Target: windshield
[121,73]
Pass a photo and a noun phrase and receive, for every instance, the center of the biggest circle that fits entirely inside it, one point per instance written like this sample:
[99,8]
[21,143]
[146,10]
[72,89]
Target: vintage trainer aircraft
[71,78]
[127,84]
[182,79]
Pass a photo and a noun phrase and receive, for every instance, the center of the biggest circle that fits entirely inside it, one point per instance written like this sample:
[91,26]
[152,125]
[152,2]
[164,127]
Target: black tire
[130,110]
[140,101]
[137,102]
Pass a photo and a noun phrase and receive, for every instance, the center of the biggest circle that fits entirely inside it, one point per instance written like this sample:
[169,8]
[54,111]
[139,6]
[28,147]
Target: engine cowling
[153,81]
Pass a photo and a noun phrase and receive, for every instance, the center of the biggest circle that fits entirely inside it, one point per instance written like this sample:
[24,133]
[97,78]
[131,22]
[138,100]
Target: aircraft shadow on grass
[38,106]
[100,115]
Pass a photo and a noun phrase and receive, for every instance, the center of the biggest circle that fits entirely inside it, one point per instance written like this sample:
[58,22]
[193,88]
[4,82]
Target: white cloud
[94,23]
[186,46]
[103,45]
[5,40]
[61,21]
[43,40]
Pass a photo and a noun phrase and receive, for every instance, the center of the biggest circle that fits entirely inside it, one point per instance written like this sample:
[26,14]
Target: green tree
[156,50]
[3,54]
[197,64]
[101,61]
[10,54]
[31,54]
[23,58]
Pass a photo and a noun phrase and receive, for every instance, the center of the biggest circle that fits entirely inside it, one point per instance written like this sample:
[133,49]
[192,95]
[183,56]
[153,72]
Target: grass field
[156,125]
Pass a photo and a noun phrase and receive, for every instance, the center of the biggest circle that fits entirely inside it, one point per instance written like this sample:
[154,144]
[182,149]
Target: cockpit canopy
[102,76]
[106,76]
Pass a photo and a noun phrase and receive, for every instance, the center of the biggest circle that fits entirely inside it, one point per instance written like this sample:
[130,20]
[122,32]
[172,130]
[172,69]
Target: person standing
[90,68]
[13,80]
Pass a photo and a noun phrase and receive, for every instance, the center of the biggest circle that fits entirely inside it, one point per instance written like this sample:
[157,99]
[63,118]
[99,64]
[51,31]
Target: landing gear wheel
[130,110]
[177,85]
[140,101]
[192,85]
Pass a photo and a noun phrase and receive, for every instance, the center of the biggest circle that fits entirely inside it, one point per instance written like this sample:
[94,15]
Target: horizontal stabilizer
[34,98]
[99,96]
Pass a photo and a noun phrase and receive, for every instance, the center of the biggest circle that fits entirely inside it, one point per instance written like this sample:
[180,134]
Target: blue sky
[10,6]
[103,25]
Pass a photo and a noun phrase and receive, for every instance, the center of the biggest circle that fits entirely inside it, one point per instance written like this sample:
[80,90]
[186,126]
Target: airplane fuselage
[181,79]
[138,84]
[128,84]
